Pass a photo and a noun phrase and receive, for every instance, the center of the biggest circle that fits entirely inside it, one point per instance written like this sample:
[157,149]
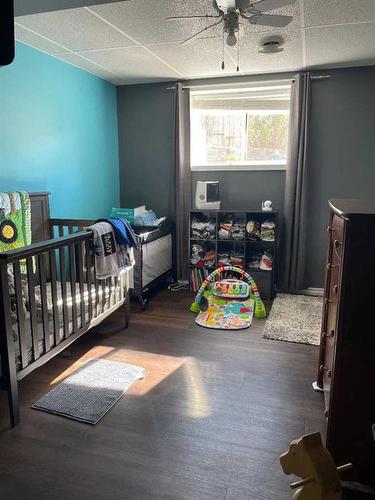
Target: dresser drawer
[327,366]
[336,229]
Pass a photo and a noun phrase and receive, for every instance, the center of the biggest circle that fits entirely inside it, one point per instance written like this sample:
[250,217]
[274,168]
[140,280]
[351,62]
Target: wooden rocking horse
[309,459]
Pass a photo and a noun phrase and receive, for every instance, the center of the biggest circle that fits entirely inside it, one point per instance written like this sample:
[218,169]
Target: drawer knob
[331,266]
[326,413]
[328,301]
[337,243]
[329,335]
[323,369]
[335,288]
[330,229]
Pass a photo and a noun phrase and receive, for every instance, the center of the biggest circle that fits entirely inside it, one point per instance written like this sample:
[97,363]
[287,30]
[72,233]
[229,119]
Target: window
[240,128]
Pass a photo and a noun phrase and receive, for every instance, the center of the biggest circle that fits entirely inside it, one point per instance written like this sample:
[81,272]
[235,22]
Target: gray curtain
[295,201]
[181,187]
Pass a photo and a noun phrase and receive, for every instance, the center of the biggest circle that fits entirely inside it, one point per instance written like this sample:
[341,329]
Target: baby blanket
[15,220]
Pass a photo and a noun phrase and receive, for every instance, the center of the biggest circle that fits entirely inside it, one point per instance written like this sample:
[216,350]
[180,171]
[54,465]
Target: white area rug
[295,318]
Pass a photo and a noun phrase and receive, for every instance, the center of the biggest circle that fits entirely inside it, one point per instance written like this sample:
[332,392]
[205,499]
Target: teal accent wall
[58,133]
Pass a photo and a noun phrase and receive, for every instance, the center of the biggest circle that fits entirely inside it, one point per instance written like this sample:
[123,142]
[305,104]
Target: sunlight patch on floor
[158,367]
[199,405]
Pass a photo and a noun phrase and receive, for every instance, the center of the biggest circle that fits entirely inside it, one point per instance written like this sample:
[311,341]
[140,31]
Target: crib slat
[119,284]
[97,297]
[20,313]
[97,286]
[33,320]
[43,294]
[110,284]
[73,285]
[116,280]
[103,287]
[88,276]
[122,285]
[56,322]
[64,294]
[81,284]
[61,231]
[70,229]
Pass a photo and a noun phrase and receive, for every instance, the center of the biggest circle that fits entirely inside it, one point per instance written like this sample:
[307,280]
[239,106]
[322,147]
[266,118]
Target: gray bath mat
[295,318]
[90,391]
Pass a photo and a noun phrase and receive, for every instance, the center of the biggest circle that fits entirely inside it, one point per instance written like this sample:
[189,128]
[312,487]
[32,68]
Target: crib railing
[49,296]
[106,291]
[61,227]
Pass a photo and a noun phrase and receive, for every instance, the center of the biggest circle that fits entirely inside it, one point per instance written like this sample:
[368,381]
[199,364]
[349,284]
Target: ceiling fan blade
[271,20]
[266,5]
[204,16]
[202,31]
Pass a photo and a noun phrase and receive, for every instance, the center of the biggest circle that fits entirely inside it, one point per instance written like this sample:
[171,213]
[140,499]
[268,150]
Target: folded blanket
[15,220]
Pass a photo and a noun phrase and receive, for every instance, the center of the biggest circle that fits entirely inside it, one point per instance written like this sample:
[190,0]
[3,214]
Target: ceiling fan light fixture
[231,40]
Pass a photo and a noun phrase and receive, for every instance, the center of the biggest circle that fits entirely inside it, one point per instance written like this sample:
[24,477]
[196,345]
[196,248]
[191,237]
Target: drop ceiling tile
[323,12]
[145,20]
[25,36]
[254,62]
[75,29]
[82,63]
[133,64]
[345,45]
[201,57]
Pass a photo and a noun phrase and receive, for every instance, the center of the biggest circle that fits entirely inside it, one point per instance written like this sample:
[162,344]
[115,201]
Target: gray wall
[245,189]
[146,136]
[342,153]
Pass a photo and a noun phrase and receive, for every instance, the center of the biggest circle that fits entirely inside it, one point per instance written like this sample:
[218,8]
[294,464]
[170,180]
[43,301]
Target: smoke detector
[272,45]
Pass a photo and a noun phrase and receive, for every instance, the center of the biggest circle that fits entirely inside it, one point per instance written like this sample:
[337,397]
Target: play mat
[226,315]
[216,310]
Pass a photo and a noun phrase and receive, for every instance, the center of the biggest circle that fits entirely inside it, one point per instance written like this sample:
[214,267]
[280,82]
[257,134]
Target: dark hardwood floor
[209,420]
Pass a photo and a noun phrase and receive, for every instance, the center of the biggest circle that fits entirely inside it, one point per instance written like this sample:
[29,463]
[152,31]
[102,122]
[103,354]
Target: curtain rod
[237,85]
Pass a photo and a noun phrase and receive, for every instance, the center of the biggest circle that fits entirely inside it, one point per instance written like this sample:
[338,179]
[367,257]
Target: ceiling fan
[230,12]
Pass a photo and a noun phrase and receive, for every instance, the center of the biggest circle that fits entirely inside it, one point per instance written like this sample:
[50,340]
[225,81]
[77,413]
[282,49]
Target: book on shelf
[197,276]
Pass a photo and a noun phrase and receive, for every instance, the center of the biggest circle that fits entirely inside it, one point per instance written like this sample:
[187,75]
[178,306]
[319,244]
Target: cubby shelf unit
[265,279]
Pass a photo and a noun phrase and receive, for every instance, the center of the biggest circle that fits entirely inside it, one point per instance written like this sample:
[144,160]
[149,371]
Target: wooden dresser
[347,353]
